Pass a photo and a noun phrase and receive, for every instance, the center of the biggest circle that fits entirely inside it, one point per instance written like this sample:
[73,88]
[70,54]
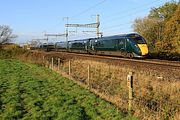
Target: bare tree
[6,34]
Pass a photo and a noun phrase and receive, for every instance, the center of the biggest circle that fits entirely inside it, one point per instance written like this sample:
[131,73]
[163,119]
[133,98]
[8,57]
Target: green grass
[31,92]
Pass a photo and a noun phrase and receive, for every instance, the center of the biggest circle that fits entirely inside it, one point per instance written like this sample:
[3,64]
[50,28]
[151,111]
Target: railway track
[161,69]
[146,61]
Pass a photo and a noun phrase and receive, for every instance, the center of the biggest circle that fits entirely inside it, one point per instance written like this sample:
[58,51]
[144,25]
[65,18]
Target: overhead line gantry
[91,25]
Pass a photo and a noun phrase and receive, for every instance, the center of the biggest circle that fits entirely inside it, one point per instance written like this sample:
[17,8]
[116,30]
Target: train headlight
[136,46]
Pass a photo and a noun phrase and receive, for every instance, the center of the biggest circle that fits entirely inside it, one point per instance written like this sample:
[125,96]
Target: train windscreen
[138,39]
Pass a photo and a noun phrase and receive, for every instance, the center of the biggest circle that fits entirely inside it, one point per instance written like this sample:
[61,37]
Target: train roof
[79,40]
[105,38]
[119,36]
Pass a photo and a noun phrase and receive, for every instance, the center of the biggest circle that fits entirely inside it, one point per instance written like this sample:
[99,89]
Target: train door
[91,45]
[128,46]
[122,44]
[68,45]
[87,45]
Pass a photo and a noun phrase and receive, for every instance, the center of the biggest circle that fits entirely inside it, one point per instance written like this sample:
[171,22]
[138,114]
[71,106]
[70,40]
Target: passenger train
[126,45]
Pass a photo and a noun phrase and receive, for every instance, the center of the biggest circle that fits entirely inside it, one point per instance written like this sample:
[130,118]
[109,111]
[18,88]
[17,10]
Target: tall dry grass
[155,97]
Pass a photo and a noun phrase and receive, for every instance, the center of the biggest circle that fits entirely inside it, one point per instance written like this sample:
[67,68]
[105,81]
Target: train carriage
[47,46]
[78,46]
[126,45]
[61,46]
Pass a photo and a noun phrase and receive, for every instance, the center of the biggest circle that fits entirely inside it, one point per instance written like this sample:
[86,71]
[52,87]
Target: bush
[11,53]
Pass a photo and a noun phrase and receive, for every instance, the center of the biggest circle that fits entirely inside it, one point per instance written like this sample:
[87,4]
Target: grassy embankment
[156,94]
[32,92]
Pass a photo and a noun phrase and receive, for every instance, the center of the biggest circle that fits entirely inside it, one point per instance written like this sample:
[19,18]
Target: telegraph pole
[67,31]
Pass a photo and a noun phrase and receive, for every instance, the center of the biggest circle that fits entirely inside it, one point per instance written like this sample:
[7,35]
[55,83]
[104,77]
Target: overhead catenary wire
[130,14]
[134,9]
[86,10]
[123,17]
[119,28]
[127,15]
[118,25]
[82,12]
[137,11]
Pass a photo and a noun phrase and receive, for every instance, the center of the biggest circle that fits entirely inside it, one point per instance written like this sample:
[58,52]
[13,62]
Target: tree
[149,29]
[164,12]
[171,42]
[6,34]
[152,27]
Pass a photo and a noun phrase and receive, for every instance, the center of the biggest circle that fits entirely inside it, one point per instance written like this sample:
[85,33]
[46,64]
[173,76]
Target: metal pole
[67,19]
[97,20]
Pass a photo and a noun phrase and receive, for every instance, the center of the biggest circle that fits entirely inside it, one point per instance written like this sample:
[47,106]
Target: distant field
[32,92]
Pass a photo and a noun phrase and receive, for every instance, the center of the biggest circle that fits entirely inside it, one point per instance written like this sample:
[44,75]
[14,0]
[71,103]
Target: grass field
[33,92]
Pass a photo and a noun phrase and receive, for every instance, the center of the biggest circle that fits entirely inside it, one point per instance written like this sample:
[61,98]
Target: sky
[31,19]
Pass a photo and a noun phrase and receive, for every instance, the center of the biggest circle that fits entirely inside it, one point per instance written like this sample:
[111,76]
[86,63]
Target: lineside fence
[132,91]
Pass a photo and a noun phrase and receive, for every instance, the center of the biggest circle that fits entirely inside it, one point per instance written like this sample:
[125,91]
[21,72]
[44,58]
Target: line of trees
[161,29]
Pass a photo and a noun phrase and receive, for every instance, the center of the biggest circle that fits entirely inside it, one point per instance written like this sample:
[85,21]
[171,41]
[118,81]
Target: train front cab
[144,49]
[140,48]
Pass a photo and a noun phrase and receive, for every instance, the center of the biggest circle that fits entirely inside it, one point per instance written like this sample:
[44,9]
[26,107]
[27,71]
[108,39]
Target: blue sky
[30,19]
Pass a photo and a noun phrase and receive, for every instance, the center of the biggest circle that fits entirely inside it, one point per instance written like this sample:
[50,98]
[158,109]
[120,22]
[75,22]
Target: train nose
[143,48]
